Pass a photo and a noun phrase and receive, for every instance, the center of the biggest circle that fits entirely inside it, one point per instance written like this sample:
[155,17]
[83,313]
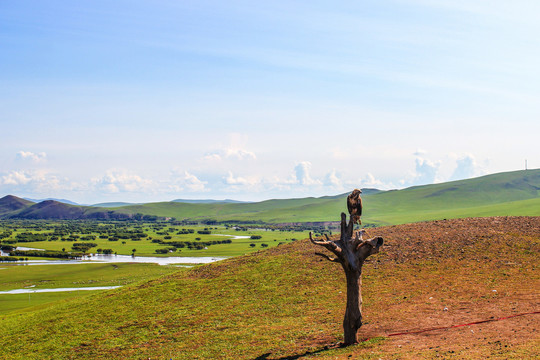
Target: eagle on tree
[354,205]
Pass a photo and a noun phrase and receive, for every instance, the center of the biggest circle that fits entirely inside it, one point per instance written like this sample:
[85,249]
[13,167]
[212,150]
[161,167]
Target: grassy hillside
[498,194]
[12,207]
[51,209]
[10,204]
[277,210]
[287,303]
[512,193]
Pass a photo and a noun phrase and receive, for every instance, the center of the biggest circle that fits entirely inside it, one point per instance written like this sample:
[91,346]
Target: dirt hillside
[440,276]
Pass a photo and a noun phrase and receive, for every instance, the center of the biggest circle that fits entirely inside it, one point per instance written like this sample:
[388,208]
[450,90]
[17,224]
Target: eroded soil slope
[434,275]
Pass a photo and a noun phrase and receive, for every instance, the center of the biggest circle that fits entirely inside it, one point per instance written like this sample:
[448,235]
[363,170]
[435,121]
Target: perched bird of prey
[354,204]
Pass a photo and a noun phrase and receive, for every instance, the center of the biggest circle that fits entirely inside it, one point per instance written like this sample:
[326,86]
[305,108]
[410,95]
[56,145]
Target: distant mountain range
[114,204]
[510,193]
[59,200]
[12,207]
[209,201]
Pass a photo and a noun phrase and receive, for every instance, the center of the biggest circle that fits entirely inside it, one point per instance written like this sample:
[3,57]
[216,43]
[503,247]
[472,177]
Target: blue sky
[158,100]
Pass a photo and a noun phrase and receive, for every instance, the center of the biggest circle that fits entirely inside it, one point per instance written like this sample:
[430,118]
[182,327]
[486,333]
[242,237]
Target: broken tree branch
[328,257]
[330,245]
[357,239]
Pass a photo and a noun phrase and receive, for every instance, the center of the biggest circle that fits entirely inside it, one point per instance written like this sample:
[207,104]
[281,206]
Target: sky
[143,101]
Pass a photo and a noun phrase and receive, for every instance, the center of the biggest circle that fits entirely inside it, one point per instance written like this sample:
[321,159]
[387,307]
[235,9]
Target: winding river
[128,258]
[32,291]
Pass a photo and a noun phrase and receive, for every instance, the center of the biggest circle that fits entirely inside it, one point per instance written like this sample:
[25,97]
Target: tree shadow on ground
[298,356]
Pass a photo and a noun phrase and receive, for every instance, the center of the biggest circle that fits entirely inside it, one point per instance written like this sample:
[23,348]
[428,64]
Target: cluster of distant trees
[104,251]
[5,234]
[30,237]
[83,246]
[185,231]
[46,253]
[6,248]
[199,245]
[166,250]
[141,217]
[262,245]
[11,259]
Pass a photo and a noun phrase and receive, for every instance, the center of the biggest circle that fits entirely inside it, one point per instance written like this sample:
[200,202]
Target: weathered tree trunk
[353,312]
[351,251]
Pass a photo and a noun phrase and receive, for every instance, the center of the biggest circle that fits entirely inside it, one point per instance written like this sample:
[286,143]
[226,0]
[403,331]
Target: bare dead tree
[350,251]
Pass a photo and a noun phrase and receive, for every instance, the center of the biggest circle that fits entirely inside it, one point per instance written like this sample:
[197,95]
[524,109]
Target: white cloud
[193,184]
[115,181]
[278,184]
[301,171]
[28,155]
[333,180]
[33,181]
[239,154]
[184,181]
[426,171]
[231,180]
[230,153]
[466,167]
[369,181]
[16,178]
[212,156]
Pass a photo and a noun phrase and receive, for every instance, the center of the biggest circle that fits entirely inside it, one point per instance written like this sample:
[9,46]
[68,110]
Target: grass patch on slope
[37,277]
[403,215]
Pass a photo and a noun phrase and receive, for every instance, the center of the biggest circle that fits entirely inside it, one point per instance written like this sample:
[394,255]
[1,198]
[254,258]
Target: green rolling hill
[281,210]
[510,193]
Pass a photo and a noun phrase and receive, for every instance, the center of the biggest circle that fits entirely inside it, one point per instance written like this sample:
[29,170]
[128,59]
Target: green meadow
[510,194]
[35,277]
[241,241]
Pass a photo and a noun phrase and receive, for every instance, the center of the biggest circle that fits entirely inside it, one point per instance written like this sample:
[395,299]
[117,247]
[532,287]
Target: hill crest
[52,209]
[11,204]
